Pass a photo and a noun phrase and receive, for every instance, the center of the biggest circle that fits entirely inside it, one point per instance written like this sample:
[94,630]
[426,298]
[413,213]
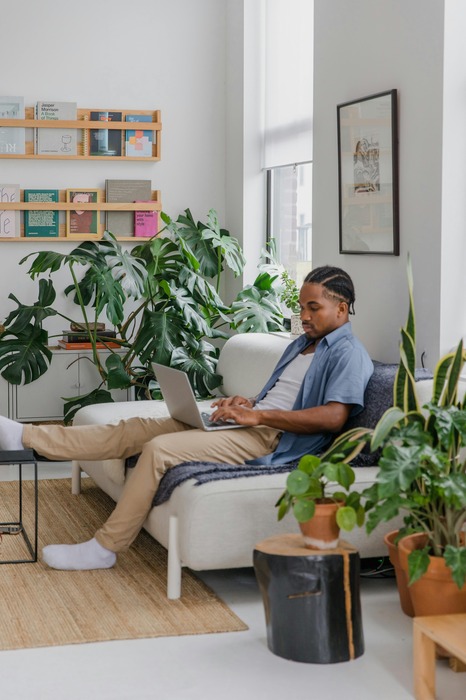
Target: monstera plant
[162,298]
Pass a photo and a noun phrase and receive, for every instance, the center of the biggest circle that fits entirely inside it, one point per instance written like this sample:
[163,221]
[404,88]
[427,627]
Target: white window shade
[289,34]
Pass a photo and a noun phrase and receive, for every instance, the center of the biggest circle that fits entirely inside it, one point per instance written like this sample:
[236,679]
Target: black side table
[311,600]
[20,457]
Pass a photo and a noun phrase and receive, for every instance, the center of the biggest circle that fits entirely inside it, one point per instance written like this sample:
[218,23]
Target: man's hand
[233,401]
[238,413]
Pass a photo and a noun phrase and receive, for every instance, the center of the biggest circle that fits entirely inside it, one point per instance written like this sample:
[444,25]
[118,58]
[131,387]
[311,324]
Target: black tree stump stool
[16,526]
[311,600]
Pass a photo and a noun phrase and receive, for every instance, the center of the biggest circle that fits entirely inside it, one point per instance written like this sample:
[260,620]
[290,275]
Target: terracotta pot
[401,578]
[435,593]
[322,531]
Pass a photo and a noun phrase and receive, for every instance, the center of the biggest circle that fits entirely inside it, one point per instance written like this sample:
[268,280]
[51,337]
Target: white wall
[155,54]
[364,47]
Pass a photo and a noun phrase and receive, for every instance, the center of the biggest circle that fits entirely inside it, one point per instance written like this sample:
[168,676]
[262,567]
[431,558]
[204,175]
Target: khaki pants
[159,450]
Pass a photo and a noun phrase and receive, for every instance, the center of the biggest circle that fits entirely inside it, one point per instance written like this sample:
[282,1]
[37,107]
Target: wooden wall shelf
[84,124]
[63,205]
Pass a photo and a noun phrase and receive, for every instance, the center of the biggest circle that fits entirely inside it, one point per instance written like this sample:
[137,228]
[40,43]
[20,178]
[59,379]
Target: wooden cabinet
[68,376]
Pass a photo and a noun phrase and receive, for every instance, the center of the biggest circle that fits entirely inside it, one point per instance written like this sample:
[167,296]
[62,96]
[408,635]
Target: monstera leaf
[160,333]
[74,403]
[255,311]
[199,362]
[26,357]
[19,319]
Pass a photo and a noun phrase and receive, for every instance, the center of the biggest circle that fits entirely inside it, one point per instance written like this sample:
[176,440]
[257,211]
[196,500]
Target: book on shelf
[41,222]
[146,223]
[81,222]
[121,223]
[56,142]
[83,337]
[97,326]
[105,142]
[10,221]
[87,346]
[12,139]
[138,143]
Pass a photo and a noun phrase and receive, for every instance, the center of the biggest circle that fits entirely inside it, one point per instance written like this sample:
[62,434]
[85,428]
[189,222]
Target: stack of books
[76,339]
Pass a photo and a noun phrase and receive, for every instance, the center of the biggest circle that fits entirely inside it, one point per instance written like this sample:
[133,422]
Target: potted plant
[422,472]
[162,298]
[310,493]
[285,286]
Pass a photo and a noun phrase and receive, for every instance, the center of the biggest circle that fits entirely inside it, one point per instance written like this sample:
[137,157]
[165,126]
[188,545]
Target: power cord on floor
[379,567]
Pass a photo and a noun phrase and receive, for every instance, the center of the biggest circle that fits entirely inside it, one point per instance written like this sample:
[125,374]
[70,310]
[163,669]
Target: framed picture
[368,175]
[83,222]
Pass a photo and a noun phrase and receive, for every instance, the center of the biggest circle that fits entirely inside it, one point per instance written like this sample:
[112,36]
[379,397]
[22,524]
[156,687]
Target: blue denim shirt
[340,371]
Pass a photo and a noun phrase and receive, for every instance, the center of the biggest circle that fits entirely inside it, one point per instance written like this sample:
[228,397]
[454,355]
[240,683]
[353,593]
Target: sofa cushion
[378,398]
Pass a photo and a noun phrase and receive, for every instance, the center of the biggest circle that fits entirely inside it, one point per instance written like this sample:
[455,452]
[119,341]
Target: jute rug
[43,607]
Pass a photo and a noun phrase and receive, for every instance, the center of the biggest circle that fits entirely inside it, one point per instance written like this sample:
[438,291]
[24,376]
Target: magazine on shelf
[83,222]
[146,223]
[56,142]
[105,142]
[10,220]
[138,143]
[121,223]
[41,222]
[12,139]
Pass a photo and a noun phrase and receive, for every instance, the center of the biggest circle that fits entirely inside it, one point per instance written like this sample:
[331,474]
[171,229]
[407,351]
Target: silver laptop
[181,402]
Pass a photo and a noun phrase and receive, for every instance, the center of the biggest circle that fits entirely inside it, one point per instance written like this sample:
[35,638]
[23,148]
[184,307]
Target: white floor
[226,666]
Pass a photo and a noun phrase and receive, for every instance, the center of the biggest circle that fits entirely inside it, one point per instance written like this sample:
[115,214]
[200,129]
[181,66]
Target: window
[287,137]
[289,217]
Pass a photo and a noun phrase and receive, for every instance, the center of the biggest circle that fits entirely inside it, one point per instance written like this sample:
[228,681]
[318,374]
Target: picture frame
[368,175]
[81,222]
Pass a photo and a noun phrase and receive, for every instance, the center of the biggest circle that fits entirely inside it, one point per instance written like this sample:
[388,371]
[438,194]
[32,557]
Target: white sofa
[216,525]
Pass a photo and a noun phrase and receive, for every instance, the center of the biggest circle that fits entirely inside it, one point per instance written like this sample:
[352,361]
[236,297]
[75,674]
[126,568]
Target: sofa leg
[75,478]
[174,561]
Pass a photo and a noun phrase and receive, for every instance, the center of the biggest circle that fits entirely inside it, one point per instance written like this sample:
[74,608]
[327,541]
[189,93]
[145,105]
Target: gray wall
[364,47]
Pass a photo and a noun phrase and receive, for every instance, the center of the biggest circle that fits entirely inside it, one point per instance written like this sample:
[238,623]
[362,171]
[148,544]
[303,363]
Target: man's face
[320,314]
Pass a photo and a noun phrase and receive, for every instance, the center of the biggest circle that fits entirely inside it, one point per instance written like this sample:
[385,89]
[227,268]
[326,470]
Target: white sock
[79,557]
[11,434]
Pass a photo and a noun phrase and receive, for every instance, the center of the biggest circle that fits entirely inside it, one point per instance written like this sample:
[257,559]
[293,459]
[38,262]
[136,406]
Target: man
[317,384]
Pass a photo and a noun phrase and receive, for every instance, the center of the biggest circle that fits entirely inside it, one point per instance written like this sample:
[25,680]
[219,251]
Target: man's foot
[11,434]
[79,557]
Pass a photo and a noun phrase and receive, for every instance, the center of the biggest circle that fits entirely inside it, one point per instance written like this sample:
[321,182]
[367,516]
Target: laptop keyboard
[212,424]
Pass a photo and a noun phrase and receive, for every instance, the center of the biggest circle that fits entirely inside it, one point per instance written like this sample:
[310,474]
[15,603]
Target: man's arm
[329,418]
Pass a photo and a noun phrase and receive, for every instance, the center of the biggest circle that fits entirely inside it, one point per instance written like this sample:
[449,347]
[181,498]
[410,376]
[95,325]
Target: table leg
[424,665]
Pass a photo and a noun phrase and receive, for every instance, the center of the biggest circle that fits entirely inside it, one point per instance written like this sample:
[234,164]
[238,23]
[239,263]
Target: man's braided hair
[336,282]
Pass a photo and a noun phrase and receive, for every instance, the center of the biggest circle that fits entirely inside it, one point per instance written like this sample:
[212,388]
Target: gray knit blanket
[202,472]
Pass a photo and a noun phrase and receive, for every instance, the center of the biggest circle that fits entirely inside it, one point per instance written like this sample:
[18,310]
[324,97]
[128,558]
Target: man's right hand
[233,401]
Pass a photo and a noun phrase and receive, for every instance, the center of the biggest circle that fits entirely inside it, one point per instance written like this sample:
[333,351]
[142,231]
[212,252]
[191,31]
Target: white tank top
[283,394]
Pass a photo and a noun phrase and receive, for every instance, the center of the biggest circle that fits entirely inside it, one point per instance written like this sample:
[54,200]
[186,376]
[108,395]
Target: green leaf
[20,319]
[117,377]
[398,468]
[308,464]
[25,358]
[74,403]
[418,563]
[304,510]
[383,512]
[346,518]
[298,482]
[455,559]
[283,504]
[254,311]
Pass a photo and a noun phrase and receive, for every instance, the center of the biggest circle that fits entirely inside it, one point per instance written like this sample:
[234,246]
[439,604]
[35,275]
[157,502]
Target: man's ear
[343,308]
